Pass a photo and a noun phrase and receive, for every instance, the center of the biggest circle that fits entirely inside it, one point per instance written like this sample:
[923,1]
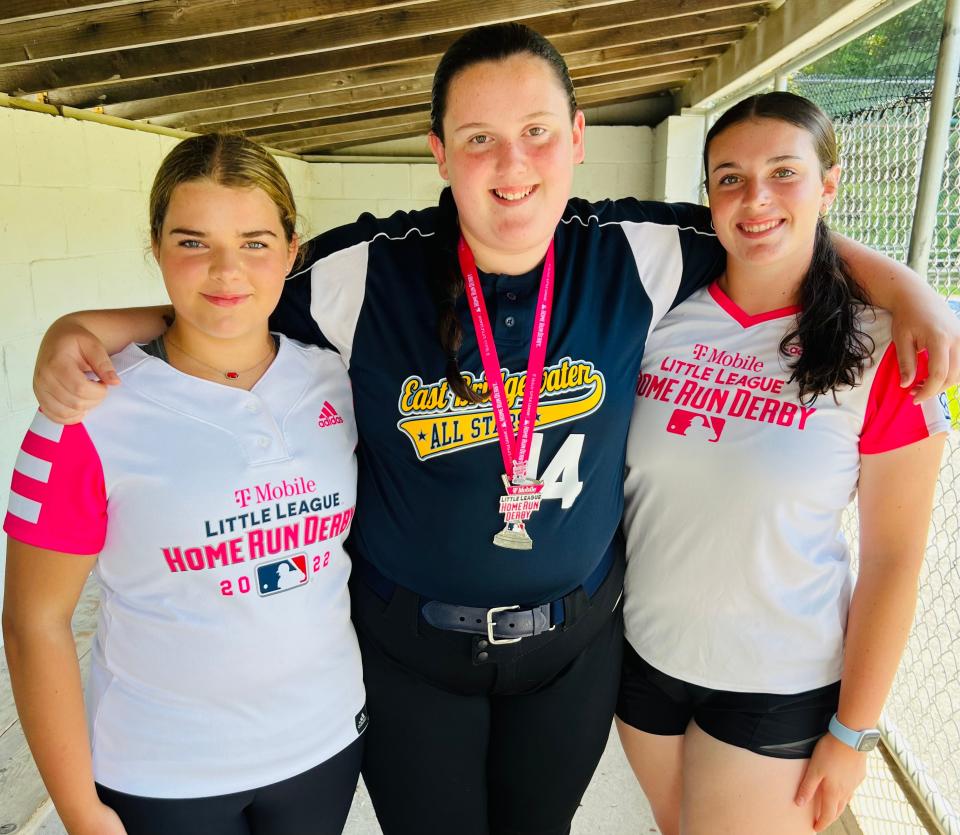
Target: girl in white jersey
[749,694]
[225,693]
[476,652]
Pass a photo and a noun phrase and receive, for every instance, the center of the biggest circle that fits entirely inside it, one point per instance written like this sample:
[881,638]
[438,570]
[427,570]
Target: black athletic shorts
[315,802]
[774,725]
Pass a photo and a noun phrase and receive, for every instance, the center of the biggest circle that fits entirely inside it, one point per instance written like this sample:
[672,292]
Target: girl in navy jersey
[225,693]
[752,682]
[487,555]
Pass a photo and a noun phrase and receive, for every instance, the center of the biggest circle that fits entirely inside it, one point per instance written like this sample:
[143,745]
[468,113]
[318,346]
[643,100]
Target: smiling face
[508,151]
[224,255]
[766,191]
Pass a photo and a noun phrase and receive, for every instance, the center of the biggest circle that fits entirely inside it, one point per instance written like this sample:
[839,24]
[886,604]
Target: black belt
[500,624]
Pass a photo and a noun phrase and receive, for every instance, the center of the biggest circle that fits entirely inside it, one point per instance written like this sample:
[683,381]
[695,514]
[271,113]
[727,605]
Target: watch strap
[848,736]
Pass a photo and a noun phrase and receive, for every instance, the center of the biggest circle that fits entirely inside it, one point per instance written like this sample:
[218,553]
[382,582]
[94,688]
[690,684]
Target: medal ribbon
[515,448]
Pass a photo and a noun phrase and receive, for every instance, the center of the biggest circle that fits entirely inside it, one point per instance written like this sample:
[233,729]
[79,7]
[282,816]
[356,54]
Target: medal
[522,494]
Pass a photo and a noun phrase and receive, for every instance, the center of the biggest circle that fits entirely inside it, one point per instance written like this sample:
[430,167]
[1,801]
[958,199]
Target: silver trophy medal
[521,501]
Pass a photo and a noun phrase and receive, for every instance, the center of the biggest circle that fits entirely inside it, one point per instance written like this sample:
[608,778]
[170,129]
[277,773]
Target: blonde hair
[227,159]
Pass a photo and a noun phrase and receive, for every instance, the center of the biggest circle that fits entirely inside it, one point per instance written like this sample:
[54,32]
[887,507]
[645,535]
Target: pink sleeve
[58,499]
[892,419]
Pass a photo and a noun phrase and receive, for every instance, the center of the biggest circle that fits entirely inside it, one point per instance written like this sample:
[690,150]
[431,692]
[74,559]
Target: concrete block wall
[73,225]
[677,158]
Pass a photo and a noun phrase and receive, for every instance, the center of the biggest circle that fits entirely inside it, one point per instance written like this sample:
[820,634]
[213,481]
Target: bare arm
[922,320]
[82,342]
[41,592]
[895,501]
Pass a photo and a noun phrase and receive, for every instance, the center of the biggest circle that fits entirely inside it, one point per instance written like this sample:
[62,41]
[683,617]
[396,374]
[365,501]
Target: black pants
[315,802]
[473,739]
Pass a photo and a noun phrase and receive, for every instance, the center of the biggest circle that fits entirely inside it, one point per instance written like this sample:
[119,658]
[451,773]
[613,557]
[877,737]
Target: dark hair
[485,43]
[833,346]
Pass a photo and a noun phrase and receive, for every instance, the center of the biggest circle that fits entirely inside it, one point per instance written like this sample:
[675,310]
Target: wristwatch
[858,740]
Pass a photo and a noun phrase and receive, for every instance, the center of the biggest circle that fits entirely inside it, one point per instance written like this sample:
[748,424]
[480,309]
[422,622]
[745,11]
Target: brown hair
[228,159]
[485,43]
[833,345]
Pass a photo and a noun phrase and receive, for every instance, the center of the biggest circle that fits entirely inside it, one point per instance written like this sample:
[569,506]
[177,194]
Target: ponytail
[446,286]
[833,346]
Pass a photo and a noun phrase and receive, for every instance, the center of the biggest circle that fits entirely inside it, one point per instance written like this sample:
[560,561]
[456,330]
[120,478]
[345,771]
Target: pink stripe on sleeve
[58,497]
[892,419]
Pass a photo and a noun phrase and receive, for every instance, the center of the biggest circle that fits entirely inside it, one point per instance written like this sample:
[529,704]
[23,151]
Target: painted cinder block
[105,220]
[299,177]
[383,181]
[327,214]
[18,316]
[635,181]
[62,285]
[18,357]
[618,144]
[31,224]
[9,156]
[327,178]
[426,182]
[127,279]
[151,153]
[595,182]
[51,150]
[682,180]
[385,208]
[114,154]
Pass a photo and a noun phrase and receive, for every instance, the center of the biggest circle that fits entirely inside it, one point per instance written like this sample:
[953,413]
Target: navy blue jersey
[430,465]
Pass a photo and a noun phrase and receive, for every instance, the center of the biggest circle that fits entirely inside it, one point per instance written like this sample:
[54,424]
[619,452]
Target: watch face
[869,740]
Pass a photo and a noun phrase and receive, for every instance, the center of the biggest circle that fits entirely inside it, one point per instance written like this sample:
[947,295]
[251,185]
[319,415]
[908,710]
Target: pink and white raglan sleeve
[892,419]
[58,499]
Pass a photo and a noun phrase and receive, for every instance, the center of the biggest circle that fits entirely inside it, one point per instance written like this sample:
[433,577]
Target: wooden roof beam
[389,116]
[155,22]
[268,97]
[365,130]
[17,10]
[358,30]
[788,32]
[378,96]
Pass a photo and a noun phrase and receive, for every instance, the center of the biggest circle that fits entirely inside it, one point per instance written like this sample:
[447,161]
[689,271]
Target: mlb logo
[696,425]
[288,573]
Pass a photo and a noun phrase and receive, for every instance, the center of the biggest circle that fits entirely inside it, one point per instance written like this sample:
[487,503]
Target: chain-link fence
[878,91]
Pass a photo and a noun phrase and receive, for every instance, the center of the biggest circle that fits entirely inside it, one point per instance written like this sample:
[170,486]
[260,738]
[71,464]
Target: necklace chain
[229,374]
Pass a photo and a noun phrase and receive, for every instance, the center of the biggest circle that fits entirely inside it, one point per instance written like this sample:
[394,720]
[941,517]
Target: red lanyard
[515,448]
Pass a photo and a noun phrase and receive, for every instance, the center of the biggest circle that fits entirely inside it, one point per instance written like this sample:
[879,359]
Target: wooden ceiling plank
[291,104]
[155,22]
[312,148]
[17,10]
[666,60]
[624,98]
[357,30]
[637,88]
[362,131]
[388,115]
[265,92]
[279,110]
[687,70]
[374,106]
[366,107]
[638,33]
[211,91]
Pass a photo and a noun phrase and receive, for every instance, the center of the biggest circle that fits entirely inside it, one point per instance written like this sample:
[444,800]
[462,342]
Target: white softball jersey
[224,657]
[738,575]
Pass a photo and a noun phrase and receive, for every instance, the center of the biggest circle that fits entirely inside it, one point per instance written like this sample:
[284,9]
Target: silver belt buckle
[492,623]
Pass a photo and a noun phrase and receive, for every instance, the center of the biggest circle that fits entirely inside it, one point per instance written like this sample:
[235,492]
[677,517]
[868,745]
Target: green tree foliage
[903,47]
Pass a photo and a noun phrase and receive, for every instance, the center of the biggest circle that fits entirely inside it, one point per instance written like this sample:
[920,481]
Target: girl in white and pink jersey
[211,497]
[752,683]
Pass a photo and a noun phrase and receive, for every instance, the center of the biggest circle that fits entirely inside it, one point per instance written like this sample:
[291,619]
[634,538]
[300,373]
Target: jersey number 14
[561,477]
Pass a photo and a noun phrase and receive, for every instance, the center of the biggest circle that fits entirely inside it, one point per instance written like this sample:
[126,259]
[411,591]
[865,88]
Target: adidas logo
[328,416]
